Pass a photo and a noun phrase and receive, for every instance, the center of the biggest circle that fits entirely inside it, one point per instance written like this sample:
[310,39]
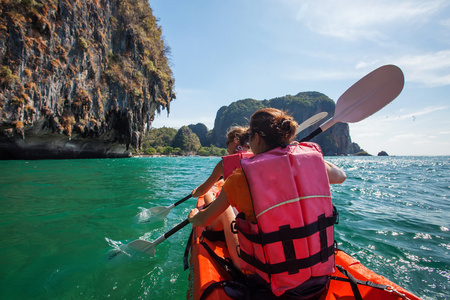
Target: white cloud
[368,65]
[407,136]
[431,69]
[424,111]
[351,20]
[320,75]
[368,135]
[385,23]
[445,23]
[403,133]
[428,61]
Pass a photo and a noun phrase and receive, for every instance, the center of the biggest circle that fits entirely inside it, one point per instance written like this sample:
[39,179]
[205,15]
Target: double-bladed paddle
[361,100]
[367,96]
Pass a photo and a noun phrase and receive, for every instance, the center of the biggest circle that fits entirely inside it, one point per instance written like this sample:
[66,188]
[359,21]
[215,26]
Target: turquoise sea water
[61,218]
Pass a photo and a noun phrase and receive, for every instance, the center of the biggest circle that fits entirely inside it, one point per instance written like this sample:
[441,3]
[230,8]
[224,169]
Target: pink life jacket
[233,162]
[293,239]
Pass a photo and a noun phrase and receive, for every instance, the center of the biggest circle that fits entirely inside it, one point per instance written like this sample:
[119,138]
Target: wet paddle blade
[143,246]
[149,247]
[153,214]
[311,121]
[158,210]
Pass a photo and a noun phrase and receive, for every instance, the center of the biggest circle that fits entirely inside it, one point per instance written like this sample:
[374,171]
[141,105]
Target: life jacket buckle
[233,227]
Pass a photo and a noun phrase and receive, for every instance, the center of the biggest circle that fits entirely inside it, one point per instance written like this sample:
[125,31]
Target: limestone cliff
[335,141]
[79,78]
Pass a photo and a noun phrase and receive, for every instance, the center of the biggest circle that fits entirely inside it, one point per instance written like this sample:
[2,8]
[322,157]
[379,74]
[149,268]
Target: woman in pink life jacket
[283,189]
[237,148]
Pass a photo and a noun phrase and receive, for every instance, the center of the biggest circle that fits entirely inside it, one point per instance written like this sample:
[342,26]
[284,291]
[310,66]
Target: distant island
[361,153]
[197,139]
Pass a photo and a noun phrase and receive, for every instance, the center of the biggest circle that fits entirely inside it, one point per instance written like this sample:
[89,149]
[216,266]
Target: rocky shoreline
[45,147]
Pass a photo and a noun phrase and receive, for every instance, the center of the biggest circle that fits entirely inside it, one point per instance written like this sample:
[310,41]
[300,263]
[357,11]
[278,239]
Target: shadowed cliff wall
[79,78]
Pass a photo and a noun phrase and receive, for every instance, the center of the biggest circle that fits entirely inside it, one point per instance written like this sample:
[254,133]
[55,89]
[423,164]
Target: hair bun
[286,125]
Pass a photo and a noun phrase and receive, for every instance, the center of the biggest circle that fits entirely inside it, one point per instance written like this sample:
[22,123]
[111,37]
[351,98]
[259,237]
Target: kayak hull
[204,269]
[342,290]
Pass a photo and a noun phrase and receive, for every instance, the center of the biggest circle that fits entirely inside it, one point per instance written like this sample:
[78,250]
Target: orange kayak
[204,271]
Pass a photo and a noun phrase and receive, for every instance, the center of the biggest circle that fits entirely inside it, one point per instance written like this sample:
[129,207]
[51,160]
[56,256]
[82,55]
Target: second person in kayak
[237,148]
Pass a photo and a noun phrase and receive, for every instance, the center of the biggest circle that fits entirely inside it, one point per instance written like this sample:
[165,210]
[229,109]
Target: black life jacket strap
[211,288]
[352,280]
[286,266]
[237,284]
[291,233]
[214,236]
[225,263]
[354,283]
[233,289]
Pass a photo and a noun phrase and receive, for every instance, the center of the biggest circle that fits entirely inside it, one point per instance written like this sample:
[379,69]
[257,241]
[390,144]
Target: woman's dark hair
[240,133]
[275,126]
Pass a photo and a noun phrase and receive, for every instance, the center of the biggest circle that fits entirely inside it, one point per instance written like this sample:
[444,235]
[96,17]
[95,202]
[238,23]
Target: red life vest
[293,239]
[233,162]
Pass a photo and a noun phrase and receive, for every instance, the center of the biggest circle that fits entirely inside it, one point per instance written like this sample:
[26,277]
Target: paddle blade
[153,214]
[158,210]
[370,94]
[143,246]
[311,121]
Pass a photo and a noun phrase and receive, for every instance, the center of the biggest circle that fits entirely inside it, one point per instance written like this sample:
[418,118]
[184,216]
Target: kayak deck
[205,271]
[343,290]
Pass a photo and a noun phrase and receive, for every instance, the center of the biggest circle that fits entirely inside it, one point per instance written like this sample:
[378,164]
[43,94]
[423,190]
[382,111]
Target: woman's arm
[206,216]
[212,179]
[335,174]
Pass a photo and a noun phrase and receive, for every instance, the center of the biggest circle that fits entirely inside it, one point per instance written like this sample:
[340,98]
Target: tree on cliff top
[186,140]
[202,132]
[157,137]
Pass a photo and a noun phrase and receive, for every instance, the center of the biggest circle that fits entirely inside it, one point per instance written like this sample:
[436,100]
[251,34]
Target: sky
[227,50]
